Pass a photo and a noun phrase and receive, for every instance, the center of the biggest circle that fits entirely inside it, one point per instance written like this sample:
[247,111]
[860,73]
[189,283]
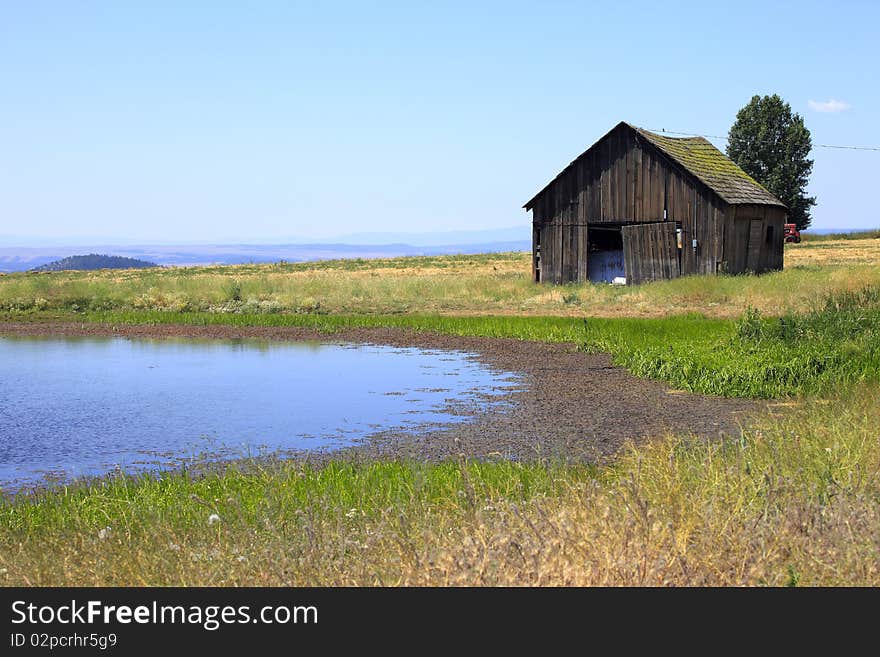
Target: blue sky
[232,121]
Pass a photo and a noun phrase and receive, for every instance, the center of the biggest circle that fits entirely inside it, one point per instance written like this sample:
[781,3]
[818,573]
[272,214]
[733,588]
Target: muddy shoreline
[571,406]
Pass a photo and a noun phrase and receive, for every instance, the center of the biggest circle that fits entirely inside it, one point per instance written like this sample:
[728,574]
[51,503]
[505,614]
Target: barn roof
[703,161]
[713,168]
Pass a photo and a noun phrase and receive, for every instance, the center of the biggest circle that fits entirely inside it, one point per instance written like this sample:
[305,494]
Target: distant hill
[95,261]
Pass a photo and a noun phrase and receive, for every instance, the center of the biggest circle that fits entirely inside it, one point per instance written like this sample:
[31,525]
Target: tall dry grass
[480,284]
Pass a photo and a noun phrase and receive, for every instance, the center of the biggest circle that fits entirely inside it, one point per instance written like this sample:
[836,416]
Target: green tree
[773,145]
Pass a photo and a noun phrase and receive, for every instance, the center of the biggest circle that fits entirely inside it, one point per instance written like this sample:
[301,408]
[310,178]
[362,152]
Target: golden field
[494,284]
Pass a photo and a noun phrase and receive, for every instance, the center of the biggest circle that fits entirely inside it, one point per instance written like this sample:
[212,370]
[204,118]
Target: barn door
[739,246]
[650,252]
[756,234]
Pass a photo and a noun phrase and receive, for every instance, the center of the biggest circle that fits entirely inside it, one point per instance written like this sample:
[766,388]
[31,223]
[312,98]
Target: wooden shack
[645,206]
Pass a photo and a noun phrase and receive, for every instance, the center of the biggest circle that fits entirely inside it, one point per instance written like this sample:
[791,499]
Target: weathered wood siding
[619,181]
[625,180]
[650,252]
[754,238]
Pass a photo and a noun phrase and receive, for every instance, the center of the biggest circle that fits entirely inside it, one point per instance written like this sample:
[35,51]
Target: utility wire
[693,134]
[852,148]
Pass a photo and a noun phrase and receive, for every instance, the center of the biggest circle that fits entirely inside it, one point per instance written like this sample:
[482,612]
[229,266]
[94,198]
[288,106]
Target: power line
[686,134]
[694,134]
[851,148]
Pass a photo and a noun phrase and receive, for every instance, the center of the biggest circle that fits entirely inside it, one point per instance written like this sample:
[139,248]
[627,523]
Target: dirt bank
[571,405]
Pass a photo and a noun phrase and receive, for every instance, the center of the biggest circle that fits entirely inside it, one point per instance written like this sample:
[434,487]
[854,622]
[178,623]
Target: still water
[84,406]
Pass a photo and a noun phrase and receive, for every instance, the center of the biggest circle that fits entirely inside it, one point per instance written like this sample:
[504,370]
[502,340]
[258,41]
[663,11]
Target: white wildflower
[213,518]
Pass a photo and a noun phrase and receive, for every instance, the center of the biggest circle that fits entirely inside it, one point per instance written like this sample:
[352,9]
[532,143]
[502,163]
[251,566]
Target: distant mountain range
[95,261]
[24,258]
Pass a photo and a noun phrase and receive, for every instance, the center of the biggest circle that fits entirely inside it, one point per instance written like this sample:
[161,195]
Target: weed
[233,291]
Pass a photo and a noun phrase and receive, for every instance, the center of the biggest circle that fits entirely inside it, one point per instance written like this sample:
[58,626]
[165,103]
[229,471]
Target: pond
[71,407]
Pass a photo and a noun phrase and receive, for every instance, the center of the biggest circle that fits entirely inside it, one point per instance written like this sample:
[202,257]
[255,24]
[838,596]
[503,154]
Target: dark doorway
[605,259]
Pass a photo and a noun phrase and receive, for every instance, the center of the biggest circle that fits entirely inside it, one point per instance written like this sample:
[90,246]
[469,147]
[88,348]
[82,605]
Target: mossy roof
[702,160]
[713,168]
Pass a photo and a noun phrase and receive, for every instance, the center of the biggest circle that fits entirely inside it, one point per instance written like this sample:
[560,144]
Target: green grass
[831,348]
[245,492]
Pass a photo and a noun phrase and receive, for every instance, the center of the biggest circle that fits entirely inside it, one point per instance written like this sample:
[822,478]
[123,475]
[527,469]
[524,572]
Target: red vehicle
[791,233]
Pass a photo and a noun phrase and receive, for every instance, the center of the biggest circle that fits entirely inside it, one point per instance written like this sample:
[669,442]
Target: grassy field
[795,502]
[460,285]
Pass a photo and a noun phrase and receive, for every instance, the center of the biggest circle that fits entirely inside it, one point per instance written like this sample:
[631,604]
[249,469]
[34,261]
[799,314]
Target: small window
[769,234]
